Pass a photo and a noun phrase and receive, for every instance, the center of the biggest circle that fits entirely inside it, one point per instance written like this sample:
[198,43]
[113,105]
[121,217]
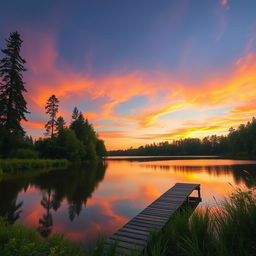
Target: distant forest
[239,142]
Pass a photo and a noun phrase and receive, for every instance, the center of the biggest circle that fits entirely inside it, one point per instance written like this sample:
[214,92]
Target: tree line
[78,141]
[238,142]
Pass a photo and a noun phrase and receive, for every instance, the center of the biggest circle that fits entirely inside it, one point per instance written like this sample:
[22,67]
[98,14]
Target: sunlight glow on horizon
[187,69]
[148,123]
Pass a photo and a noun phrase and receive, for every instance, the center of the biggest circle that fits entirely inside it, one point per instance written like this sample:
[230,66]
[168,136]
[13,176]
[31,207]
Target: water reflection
[80,204]
[9,207]
[45,223]
[75,184]
[245,174]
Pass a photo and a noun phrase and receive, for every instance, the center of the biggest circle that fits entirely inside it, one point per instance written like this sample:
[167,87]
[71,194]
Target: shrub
[229,230]
[25,153]
[20,165]
[17,240]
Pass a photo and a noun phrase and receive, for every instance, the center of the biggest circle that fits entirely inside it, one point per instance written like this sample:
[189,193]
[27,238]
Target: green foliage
[18,240]
[13,106]
[100,148]
[25,153]
[60,124]
[17,165]
[92,146]
[237,224]
[229,230]
[76,143]
[47,148]
[240,142]
[69,145]
[22,241]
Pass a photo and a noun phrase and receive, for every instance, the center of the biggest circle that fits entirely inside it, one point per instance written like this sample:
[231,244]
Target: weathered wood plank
[132,234]
[134,226]
[164,205]
[119,237]
[135,233]
[158,212]
[142,217]
[154,216]
[145,224]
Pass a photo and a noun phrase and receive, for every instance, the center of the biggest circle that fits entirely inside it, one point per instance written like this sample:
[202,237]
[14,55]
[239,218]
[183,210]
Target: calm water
[81,202]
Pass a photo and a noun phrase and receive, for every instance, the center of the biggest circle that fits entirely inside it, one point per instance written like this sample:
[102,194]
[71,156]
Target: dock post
[199,194]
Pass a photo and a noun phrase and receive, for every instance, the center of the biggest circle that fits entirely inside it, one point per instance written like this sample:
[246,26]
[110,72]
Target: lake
[85,201]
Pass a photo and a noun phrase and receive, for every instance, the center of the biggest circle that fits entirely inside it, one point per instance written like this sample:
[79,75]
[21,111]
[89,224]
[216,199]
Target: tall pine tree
[75,114]
[13,106]
[51,108]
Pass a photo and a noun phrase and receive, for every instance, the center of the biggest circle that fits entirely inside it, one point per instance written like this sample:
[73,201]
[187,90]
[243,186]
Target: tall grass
[20,165]
[17,240]
[228,230]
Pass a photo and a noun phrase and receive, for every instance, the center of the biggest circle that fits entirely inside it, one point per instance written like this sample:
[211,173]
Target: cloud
[165,95]
[224,2]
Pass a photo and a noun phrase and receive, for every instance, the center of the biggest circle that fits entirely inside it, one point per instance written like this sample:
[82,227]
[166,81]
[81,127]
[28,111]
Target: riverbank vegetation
[17,165]
[229,229]
[239,142]
[18,240]
[75,142]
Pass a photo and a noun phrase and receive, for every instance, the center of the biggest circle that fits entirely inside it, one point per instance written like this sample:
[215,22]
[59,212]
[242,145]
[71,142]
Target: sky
[141,71]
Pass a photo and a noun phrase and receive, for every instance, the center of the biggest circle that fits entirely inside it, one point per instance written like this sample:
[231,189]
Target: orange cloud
[33,125]
[234,89]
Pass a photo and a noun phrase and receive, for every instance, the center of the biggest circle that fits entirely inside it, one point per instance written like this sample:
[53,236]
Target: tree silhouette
[75,114]
[13,106]
[46,223]
[10,207]
[51,109]
[60,124]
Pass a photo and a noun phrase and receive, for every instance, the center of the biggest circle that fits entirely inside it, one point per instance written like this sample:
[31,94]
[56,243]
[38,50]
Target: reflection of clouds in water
[125,208]
[128,187]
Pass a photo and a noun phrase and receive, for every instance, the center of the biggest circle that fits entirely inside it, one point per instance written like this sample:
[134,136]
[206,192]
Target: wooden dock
[135,234]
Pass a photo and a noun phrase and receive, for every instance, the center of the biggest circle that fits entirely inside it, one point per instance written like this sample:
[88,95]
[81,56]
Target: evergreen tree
[13,106]
[60,124]
[51,109]
[75,114]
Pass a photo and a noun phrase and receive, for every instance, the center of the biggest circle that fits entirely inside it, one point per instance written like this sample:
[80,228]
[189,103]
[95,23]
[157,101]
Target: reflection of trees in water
[245,174]
[75,184]
[45,223]
[9,207]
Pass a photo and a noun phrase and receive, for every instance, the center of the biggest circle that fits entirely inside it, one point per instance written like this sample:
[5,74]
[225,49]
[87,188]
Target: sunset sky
[142,71]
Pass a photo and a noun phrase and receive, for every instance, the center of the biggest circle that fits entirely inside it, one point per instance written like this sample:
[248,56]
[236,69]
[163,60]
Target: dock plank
[134,235]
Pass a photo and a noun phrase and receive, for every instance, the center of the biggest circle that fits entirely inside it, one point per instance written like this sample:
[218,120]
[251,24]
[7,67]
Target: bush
[17,240]
[17,165]
[25,153]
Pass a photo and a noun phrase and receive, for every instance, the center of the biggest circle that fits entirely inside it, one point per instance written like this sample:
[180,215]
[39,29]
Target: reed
[20,165]
[228,230]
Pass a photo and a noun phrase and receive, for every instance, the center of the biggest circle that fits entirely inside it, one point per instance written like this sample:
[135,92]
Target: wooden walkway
[134,235]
